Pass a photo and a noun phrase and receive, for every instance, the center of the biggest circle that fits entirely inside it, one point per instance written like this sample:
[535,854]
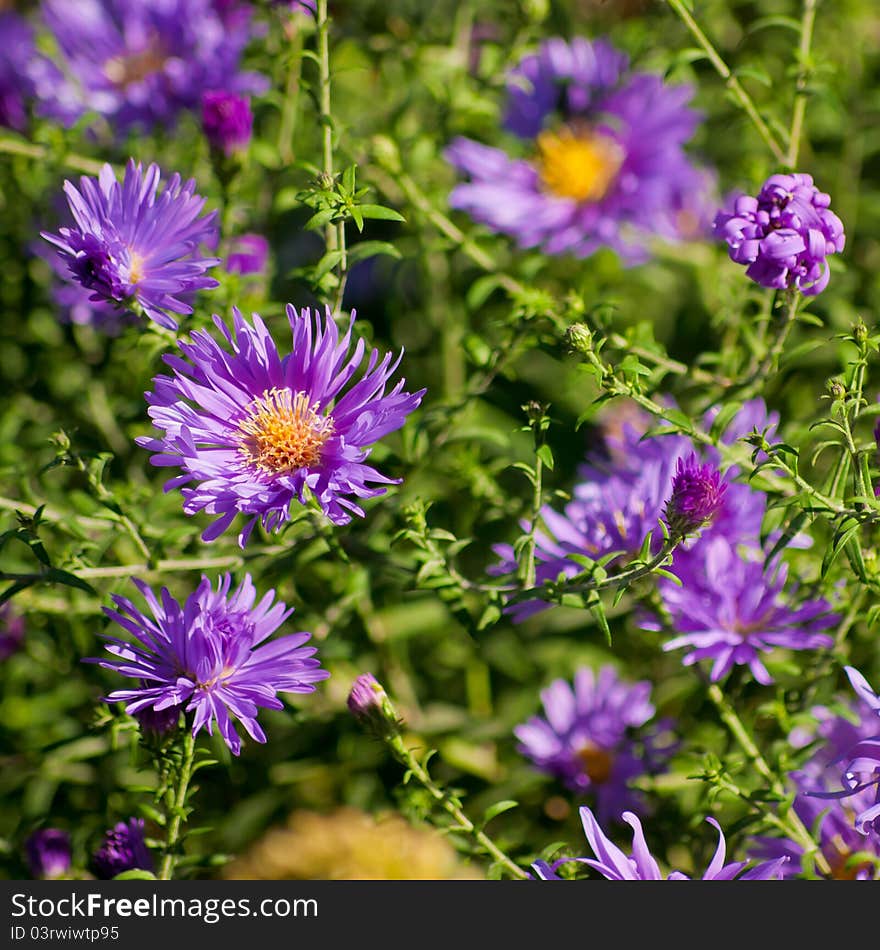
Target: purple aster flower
[641,865]
[11,631]
[209,657]
[620,497]
[605,165]
[123,849]
[16,83]
[48,852]
[134,248]
[141,64]
[247,254]
[697,496]
[728,609]
[784,235]
[227,121]
[267,430]
[851,855]
[587,737]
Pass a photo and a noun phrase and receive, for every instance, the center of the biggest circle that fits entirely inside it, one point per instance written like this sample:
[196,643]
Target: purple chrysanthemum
[132,247]
[247,254]
[48,852]
[141,64]
[641,865]
[227,121]
[11,630]
[620,497]
[850,855]
[123,849]
[266,431]
[16,83]
[587,737]
[605,167]
[208,656]
[697,496]
[784,235]
[730,610]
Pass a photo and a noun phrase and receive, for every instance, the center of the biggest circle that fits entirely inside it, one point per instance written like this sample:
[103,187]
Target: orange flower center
[136,268]
[578,164]
[283,432]
[597,762]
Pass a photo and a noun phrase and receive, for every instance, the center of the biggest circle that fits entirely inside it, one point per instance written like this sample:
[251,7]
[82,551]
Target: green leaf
[498,809]
[545,454]
[380,213]
[365,249]
[136,875]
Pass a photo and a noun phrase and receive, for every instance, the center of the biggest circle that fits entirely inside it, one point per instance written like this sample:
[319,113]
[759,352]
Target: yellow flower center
[578,165]
[597,762]
[124,70]
[136,268]
[283,432]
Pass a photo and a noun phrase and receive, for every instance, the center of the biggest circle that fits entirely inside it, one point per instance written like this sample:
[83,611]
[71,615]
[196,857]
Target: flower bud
[697,496]
[370,705]
[227,121]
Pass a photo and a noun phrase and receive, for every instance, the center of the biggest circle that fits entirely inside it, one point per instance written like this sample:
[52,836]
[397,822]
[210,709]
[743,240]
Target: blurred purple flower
[16,82]
[641,865]
[141,64]
[247,254]
[607,166]
[131,247]
[48,852]
[730,610]
[784,235]
[11,630]
[587,737]
[123,849]
[227,121]
[267,430]
[209,654]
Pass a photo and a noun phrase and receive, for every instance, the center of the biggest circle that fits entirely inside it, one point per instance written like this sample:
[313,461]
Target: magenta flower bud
[784,235]
[123,849]
[48,853]
[370,705]
[227,121]
[697,496]
[248,254]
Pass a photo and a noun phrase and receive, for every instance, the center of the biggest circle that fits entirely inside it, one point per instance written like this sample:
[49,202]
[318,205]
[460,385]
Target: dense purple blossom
[697,496]
[850,854]
[227,121]
[16,82]
[132,247]
[590,737]
[730,610]
[620,496]
[209,657]
[605,164]
[268,430]
[48,852]
[141,64]
[122,849]
[641,865]
[784,235]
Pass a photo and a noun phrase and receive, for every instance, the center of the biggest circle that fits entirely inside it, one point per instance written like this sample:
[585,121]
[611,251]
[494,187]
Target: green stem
[17,146]
[732,83]
[452,808]
[800,98]
[795,826]
[291,95]
[172,838]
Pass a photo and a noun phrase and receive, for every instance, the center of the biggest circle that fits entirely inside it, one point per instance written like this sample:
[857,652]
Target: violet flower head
[268,430]
[728,609]
[227,121]
[135,248]
[16,84]
[697,496]
[208,656]
[602,163]
[615,865]
[48,852]
[12,628]
[248,254]
[369,704]
[849,853]
[141,64]
[591,737]
[122,849]
[784,235]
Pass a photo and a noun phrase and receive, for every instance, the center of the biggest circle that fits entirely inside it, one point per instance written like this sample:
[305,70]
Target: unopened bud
[370,705]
